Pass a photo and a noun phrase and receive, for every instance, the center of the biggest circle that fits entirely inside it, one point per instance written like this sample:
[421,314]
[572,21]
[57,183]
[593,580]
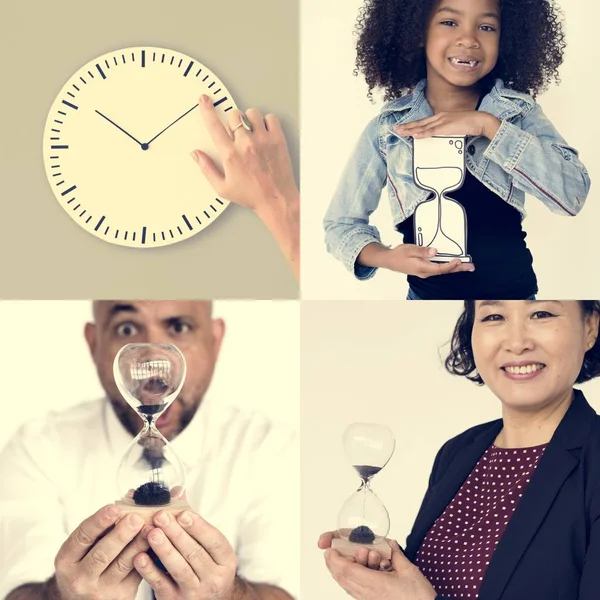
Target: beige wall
[254,51]
[378,362]
[335,110]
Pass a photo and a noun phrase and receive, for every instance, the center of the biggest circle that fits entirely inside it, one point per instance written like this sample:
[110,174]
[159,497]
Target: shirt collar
[186,445]
[502,102]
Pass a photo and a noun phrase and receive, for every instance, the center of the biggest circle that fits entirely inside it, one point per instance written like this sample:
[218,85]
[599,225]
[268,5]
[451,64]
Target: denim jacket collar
[501,102]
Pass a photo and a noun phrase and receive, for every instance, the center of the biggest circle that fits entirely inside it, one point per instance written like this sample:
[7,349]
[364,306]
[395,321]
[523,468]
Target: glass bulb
[149,377]
[363,518]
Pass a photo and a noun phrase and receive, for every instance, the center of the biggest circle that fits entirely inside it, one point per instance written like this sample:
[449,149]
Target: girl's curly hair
[460,360]
[391,45]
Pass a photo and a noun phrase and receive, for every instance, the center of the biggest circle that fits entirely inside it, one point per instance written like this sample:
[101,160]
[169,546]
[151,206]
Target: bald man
[58,473]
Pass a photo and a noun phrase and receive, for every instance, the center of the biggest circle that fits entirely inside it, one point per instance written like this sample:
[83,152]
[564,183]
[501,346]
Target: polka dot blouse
[458,548]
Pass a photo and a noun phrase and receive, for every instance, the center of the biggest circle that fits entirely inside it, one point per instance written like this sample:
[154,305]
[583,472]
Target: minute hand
[119,127]
[173,123]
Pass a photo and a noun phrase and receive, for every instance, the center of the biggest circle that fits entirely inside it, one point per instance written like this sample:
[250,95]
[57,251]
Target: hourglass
[441,222]
[150,477]
[363,520]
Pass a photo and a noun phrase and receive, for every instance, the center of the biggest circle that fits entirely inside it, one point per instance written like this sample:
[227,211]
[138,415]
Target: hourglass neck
[365,483]
[150,428]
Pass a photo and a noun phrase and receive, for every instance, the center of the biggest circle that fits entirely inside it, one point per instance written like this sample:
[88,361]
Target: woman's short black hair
[460,360]
[391,45]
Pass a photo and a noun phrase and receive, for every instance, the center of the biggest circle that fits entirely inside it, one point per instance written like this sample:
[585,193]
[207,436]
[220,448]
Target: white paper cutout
[441,222]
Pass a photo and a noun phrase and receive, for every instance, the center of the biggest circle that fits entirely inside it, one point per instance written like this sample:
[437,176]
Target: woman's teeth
[467,63]
[524,370]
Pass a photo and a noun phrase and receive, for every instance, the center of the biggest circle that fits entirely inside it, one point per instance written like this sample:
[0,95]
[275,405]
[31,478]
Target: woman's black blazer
[550,549]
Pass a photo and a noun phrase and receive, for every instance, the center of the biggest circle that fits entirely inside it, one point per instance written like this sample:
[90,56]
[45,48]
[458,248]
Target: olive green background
[252,48]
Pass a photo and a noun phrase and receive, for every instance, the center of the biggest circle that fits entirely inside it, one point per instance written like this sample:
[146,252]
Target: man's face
[186,324]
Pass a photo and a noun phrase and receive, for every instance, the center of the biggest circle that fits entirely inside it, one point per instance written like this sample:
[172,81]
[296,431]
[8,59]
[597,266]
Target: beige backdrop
[335,109]
[254,51]
[378,362]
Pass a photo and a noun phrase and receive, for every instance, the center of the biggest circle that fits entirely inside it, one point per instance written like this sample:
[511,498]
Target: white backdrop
[378,362]
[335,110]
[45,363]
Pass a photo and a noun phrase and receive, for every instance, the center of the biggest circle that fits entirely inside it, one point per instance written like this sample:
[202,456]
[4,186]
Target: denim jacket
[527,155]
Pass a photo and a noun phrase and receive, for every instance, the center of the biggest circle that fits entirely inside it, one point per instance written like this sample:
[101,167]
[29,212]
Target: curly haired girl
[457,67]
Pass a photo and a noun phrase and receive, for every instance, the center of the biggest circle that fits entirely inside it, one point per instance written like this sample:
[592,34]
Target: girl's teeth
[471,63]
[524,370]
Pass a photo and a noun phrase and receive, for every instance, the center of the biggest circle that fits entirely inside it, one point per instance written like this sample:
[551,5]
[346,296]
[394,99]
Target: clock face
[117,147]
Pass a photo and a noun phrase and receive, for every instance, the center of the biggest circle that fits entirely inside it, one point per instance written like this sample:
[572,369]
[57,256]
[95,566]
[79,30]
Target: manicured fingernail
[142,561]
[185,518]
[162,518]
[432,251]
[112,512]
[205,99]
[194,155]
[158,537]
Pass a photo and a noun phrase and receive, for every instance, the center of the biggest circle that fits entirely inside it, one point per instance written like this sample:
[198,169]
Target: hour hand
[125,132]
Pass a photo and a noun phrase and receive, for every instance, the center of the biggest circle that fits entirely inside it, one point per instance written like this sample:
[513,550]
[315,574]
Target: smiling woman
[513,506]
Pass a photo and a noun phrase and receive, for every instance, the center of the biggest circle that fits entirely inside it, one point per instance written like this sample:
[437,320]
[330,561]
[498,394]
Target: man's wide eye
[126,329]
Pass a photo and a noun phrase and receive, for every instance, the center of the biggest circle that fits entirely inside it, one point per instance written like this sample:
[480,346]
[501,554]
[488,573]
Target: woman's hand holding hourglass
[368,579]
[410,259]
[464,122]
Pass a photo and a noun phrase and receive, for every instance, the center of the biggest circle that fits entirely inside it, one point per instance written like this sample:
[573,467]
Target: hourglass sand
[363,520]
[150,477]
[441,223]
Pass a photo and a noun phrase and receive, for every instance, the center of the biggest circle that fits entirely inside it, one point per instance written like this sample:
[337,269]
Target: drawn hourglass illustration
[441,222]
[363,519]
[151,476]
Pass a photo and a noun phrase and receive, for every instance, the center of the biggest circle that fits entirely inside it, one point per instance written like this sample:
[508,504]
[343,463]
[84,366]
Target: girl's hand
[364,556]
[409,259]
[405,582]
[464,122]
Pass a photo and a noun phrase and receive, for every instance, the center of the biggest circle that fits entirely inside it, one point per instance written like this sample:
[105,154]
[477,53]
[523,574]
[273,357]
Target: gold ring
[244,122]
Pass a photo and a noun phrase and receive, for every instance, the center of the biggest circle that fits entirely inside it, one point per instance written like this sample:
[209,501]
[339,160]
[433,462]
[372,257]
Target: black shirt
[496,244]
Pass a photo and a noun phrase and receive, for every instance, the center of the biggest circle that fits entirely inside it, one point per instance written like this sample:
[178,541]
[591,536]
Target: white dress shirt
[242,476]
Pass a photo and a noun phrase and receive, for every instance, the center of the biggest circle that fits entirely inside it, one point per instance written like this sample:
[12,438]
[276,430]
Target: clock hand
[125,132]
[173,123]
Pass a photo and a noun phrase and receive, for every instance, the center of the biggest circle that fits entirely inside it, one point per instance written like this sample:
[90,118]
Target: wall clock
[117,147]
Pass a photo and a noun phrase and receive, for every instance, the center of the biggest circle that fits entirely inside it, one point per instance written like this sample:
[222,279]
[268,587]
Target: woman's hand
[363,556]
[257,172]
[464,122]
[405,582]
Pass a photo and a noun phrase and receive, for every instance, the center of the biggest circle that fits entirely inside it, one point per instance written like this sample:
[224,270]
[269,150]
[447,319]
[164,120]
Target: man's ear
[218,331]
[90,337]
